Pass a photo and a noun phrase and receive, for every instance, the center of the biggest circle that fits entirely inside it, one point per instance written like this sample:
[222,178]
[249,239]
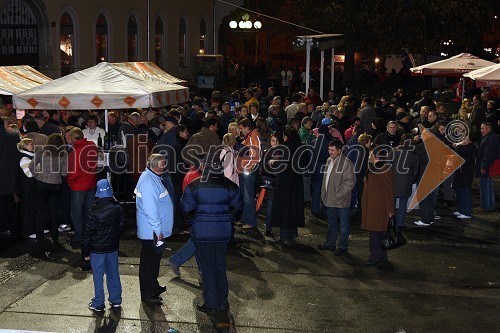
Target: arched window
[132,39]
[182,43]
[66,44]
[101,39]
[159,43]
[203,35]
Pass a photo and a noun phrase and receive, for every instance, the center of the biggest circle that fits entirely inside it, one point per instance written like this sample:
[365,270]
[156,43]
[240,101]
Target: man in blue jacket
[214,202]
[154,224]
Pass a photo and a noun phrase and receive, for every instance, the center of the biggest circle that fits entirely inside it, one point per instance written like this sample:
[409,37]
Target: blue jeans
[427,207]
[81,201]
[212,258]
[486,193]
[106,263]
[247,190]
[401,213]
[316,196]
[334,215]
[464,201]
[184,254]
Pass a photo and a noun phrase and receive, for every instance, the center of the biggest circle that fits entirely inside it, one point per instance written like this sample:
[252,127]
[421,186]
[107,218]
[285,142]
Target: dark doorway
[18,35]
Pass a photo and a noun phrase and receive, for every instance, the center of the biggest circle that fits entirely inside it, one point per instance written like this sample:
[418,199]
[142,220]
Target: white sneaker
[64,227]
[456,213]
[32,236]
[421,224]
[437,217]
[45,231]
[462,216]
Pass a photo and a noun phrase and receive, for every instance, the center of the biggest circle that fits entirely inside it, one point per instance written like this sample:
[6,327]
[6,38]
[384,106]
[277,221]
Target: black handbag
[393,237]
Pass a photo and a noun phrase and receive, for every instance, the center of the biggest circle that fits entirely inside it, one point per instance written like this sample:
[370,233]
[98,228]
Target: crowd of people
[199,169]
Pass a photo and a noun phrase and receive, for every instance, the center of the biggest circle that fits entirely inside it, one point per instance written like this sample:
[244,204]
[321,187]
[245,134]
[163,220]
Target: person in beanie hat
[100,242]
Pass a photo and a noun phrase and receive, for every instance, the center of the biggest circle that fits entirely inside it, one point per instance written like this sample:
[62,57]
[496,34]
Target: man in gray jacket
[338,181]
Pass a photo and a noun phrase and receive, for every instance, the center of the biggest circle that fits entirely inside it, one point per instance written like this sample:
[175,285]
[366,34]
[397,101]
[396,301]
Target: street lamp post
[246,24]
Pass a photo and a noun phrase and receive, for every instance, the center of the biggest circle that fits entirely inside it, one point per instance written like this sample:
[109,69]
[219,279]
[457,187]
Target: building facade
[59,37]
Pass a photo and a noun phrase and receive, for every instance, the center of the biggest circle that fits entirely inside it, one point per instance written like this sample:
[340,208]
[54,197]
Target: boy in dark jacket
[100,242]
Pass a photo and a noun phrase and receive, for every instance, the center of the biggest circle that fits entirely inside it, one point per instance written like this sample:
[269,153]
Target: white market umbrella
[104,87]
[486,77]
[455,66]
[15,79]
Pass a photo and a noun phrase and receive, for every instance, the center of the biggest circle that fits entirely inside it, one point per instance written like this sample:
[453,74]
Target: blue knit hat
[326,121]
[103,189]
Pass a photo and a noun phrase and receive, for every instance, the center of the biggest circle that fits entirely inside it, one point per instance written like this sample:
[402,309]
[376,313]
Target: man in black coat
[46,127]
[391,137]
[9,161]
[405,171]
[100,242]
[462,178]
[488,152]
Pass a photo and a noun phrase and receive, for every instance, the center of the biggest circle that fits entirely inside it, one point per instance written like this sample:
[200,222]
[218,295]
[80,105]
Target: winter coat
[320,152]
[24,175]
[288,198]
[82,166]
[9,159]
[228,159]
[387,139]
[463,176]
[377,201]
[251,158]
[488,152]
[405,169]
[200,144]
[154,207]
[213,204]
[101,231]
[337,193]
[49,165]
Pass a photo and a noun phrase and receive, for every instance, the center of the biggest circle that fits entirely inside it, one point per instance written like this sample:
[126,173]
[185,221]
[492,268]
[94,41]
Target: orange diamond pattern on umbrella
[64,102]
[97,101]
[129,100]
[33,102]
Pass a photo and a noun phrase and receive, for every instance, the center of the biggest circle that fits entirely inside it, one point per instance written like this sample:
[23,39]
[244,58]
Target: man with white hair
[155,218]
[128,128]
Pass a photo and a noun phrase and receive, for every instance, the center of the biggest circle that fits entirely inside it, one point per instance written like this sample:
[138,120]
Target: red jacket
[82,166]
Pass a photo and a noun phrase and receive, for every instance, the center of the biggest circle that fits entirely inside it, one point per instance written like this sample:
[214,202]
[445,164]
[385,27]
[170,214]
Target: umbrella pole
[463,88]
[106,120]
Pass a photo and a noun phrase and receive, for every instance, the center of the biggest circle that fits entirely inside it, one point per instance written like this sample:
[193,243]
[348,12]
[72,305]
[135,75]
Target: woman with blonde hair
[228,158]
[465,110]
[26,185]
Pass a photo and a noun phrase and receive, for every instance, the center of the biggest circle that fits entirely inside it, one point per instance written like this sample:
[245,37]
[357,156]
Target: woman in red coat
[377,204]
